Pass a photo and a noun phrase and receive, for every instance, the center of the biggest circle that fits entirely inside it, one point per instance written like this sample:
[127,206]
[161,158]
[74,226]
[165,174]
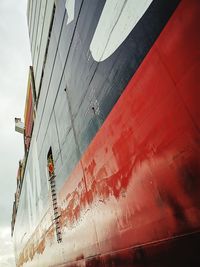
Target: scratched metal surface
[128,178]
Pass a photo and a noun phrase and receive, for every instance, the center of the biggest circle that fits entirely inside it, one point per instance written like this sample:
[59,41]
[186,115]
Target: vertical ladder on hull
[52,182]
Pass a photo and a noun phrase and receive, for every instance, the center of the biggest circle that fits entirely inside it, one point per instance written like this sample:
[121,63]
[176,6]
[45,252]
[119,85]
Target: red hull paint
[140,180]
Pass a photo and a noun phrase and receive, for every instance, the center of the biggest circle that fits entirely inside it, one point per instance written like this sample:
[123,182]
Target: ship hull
[133,198]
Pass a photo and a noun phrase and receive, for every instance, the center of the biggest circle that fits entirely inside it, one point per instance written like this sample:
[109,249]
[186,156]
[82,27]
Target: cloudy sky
[14,63]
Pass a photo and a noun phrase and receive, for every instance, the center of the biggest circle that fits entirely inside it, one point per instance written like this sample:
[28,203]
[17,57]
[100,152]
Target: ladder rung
[52,177]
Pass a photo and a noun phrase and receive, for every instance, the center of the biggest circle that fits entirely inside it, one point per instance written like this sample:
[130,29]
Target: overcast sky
[14,64]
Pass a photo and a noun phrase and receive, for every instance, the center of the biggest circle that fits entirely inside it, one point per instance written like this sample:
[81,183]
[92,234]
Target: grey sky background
[14,64]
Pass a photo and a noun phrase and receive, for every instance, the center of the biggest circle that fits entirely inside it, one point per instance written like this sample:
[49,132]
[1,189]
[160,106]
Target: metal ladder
[55,207]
